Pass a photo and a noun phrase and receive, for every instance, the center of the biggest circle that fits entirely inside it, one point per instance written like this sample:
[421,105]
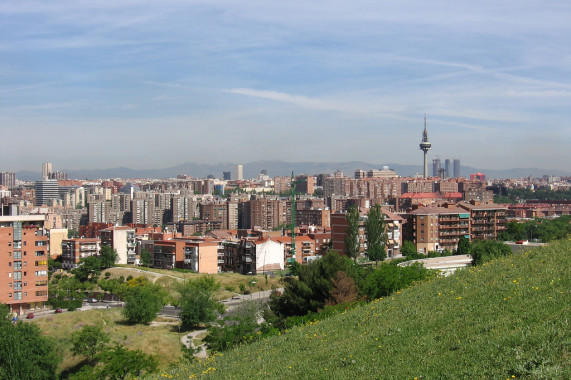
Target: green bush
[483,251]
[197,302]
[390,278]
[310,292]
[143,302]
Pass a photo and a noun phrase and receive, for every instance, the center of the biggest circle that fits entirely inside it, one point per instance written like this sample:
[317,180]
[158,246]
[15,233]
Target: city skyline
[101,85]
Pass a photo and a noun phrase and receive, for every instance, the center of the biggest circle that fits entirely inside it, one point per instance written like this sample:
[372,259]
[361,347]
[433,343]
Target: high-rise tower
[456,168]
[46,170]
[425,147]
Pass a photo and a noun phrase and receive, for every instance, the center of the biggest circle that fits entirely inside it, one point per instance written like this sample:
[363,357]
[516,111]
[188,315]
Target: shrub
[142,303]
[391,278]
[485,250]
[197,302]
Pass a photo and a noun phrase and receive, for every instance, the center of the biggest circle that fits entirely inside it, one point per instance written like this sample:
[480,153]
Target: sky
[102,84]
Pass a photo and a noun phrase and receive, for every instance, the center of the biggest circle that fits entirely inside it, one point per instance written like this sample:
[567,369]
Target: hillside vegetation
[506,319]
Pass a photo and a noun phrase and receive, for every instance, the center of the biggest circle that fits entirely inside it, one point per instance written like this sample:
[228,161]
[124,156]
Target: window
[41,283]
[9,294]
[41,273]
[17,255]
[18,285]
[17,265]
[40,253]
[17,295]
[41,293]
[9,284]
[41,263]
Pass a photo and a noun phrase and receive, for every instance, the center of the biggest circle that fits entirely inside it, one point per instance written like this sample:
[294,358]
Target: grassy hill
[506,319]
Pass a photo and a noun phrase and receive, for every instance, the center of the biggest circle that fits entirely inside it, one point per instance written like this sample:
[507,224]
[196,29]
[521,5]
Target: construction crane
[292,215]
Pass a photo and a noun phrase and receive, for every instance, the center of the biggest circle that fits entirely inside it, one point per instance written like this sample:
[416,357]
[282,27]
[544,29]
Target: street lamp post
[251,284]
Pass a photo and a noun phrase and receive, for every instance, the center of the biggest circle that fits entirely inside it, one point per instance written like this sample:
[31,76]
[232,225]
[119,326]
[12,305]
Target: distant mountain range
[280,168]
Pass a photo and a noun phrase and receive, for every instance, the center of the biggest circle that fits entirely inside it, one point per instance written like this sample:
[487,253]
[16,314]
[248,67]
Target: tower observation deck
[425,147]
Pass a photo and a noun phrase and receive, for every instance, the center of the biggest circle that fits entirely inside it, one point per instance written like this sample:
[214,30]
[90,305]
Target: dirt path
[188,342]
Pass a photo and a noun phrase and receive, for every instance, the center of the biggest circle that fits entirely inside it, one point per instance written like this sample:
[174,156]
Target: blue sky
[97,84]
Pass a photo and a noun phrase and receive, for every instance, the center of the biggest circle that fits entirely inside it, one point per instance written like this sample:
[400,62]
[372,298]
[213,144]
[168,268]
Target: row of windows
[17,295]
[19,284]
[18,254]
[18,244]
[18,275]
[18,264]
[20,295]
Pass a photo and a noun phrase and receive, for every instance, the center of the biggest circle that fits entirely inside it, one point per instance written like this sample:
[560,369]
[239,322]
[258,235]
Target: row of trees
[374,231]
[544,230]
[515,195]
[336,279]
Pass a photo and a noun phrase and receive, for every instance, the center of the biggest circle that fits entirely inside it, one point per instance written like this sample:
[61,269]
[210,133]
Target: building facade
[23,262]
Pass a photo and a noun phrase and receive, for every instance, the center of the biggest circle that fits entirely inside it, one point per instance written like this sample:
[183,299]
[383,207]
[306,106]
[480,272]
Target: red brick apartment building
[23,262]
[393,228]
[200,256]
[437,228]
[74,250]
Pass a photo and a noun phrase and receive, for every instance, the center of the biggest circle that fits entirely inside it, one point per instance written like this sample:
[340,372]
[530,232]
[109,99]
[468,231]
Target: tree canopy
[197,303]
[143,300]
[89,341]
[310,292]
[108,256]
[24,352]
[352,233]
[375,232]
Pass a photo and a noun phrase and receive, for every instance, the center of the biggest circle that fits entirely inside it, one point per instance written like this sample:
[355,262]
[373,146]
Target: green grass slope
[506,319]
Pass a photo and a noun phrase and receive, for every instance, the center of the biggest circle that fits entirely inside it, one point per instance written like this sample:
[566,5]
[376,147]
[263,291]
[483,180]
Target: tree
[108,256]
[463,246]
[118,363]
[24,352]
[376,236]
[390,278]
[89,341]
[408,249]
[313,288]
[88,269]
[66,292]
[239,326]
[197,302]
[343,290]
[145,257]
[352,233]
[486,250]
[143,302]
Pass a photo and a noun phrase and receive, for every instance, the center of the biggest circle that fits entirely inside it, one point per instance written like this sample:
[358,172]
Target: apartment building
[486,220]
[73,250]
[23,262]
[254,256]
[437,228]
[393,230]
[267,213]
[121,239]
[315,217]
[198,255]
